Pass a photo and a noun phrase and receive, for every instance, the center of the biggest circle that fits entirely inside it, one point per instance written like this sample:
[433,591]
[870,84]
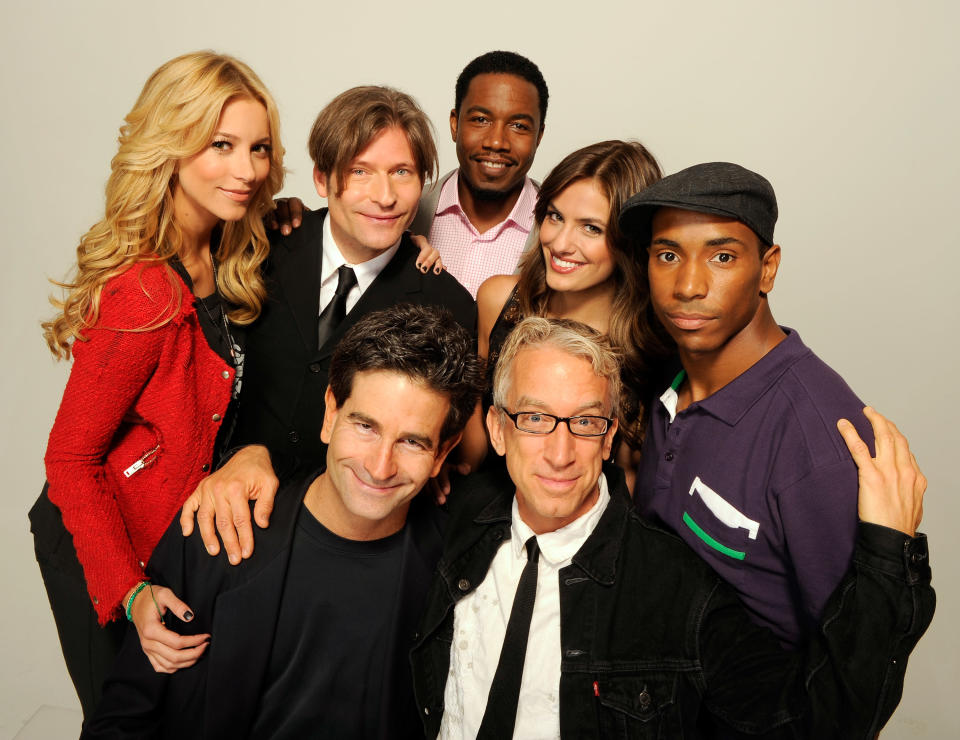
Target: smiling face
[556,474]
[496,130]
[218,183]
[384,443]
[378,200]
[706,277]
[573,237]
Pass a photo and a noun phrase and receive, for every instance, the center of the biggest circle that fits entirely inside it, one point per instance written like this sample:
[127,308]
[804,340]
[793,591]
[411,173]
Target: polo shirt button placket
[676,426]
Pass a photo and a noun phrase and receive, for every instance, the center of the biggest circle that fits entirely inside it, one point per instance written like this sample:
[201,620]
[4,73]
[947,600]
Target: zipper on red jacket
[145,459]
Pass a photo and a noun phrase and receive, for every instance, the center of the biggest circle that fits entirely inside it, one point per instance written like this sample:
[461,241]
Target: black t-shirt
[210,316]
[226,340]
[332,647]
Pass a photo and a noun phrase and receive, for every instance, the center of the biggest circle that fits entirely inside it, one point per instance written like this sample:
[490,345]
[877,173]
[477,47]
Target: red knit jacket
[136,428]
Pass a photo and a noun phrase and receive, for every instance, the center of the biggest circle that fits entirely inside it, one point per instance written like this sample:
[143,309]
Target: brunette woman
[586,270]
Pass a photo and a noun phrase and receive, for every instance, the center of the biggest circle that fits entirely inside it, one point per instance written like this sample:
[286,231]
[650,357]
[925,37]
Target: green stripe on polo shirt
[675,385]
[695,528]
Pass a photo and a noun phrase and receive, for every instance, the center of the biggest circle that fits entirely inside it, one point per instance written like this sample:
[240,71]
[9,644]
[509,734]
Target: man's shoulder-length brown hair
[353,119]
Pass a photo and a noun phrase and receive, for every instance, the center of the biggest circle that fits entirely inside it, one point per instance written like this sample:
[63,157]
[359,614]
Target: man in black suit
[372,149]
[310,635]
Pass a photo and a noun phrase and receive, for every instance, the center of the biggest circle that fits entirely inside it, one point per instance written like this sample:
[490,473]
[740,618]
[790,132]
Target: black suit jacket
[238,606]
[285,373]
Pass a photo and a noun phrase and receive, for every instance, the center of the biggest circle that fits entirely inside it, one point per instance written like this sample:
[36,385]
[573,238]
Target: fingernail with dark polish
[187,615]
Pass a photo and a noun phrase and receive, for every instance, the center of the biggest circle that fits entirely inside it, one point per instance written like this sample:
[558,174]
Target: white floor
[51,723]
[37,699]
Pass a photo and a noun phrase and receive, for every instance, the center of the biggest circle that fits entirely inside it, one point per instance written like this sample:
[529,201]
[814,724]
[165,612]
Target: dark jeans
[88,649]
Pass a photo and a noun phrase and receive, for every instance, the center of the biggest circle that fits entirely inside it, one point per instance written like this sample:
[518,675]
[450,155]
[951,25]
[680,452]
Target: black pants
[88,649]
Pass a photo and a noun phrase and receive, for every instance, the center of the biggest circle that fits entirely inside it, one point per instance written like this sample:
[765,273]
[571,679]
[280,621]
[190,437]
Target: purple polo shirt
[758,481]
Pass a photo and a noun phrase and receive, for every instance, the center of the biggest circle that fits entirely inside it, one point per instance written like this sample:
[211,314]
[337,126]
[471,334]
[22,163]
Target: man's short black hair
[424,343]
[503,62]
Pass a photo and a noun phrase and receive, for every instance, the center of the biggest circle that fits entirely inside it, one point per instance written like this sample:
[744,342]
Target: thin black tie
[501,713]
[336,310]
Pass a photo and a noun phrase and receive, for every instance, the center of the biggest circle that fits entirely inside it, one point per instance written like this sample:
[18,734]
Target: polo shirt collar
[670,397]
[366,272]
[521,215]
[730,403]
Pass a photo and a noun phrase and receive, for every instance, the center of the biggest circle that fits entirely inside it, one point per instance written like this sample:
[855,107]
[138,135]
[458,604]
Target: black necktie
[336,310]
[501,713]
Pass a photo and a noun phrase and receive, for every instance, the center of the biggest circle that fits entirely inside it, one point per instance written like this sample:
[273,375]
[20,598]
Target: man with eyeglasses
[556,611]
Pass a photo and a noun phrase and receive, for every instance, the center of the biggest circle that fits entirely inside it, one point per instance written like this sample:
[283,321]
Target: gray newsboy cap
[720,188]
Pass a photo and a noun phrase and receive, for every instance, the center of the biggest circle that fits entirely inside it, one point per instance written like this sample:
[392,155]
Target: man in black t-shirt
[309,636]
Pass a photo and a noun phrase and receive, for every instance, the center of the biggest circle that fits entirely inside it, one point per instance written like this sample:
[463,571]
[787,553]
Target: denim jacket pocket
[637,705]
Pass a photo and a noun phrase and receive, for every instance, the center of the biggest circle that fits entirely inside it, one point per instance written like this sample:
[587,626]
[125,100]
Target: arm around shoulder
[849,678]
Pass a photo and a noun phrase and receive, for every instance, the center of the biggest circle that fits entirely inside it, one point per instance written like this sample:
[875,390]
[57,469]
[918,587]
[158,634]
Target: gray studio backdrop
[850,109]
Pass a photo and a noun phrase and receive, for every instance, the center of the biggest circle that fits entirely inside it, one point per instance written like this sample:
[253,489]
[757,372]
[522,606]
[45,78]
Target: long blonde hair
[620,168]
[175,117]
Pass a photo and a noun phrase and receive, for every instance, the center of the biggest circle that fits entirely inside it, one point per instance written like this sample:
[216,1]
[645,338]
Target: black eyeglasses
[537,422]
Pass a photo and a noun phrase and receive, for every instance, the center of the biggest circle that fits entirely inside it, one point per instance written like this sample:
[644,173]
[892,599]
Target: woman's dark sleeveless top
[509,317]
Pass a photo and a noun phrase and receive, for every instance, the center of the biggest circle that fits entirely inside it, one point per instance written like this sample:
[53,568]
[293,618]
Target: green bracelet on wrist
[140,586]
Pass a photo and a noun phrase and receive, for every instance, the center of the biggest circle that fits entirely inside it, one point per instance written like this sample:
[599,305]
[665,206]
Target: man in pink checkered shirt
[480,216]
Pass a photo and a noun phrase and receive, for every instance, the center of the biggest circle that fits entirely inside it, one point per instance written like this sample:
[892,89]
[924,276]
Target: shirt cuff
[893,552]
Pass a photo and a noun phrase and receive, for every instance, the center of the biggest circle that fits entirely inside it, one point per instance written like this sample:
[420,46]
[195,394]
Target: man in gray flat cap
[742,456]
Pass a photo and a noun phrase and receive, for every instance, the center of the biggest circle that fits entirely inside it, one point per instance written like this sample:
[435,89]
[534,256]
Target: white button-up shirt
[480,624]
[366,272]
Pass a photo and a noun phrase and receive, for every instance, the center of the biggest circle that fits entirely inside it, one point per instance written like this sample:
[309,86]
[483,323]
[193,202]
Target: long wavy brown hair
[620,169]
[174,118]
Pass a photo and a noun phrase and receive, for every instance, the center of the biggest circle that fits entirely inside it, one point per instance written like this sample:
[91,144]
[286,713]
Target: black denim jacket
[656,646]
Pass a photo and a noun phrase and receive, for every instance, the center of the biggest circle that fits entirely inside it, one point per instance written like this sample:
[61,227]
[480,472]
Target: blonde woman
[164,283]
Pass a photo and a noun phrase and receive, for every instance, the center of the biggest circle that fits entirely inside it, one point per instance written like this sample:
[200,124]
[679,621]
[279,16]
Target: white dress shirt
[480,623]
[366,272]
